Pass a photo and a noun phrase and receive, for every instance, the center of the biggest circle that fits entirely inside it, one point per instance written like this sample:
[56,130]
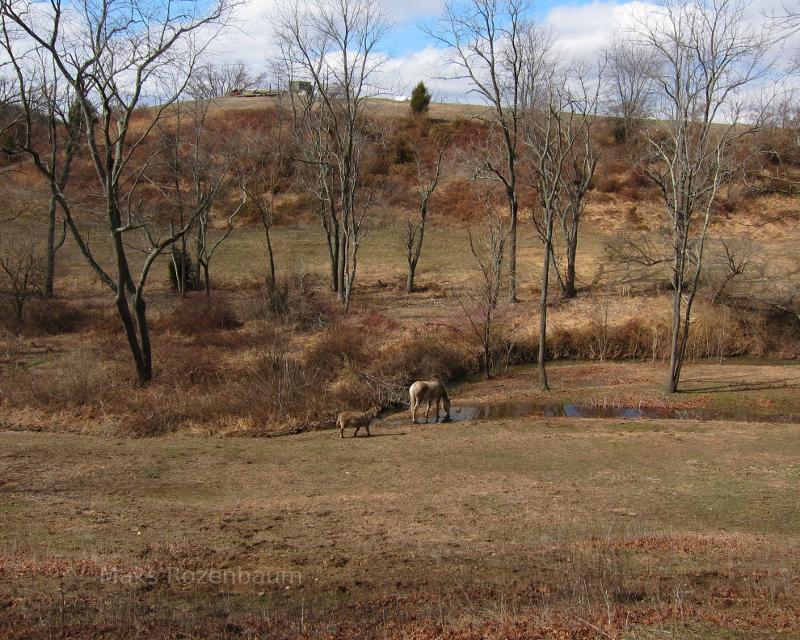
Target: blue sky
[408,35]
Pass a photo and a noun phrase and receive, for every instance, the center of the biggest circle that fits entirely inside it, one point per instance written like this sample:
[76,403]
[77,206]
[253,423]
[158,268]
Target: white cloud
[250,38]
[429,65]
[581,31]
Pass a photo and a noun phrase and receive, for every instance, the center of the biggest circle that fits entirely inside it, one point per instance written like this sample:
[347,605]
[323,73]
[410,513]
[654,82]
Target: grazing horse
[428,391]
[356,419]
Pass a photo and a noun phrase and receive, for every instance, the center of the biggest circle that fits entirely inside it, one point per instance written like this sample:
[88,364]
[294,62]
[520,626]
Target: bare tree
[427,181]
[555,124]
[48,126]
[578,156]
[631,72]
[733,262]
[486,40]
[219,80]
[480,302]
[190,178]
[638,248]
[124,54]
[261,168]
[22,274]
[315,172]
[332,44]
[707,55]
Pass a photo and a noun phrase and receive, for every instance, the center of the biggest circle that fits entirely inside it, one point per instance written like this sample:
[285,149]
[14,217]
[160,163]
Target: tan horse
[430,391]
[356,419]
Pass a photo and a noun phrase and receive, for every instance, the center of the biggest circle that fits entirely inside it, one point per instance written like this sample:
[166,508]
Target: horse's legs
[368,433]
[438,401]
[414,405]
[427,411]
[355,433]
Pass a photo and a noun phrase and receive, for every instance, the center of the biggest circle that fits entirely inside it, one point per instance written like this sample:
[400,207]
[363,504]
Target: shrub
[44,317]
[403,152]
[279,390]
[377,322]
[339,346]
[179,262]
[51,317]
[179,365]
[80,377]
[199,315]
[620,131]
[293,301]
[74,379]
[607,183]
[440,352]
[714,334]
[375,162]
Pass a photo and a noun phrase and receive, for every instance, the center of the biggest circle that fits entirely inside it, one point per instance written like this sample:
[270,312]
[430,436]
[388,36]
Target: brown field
[177,511]
[523,528]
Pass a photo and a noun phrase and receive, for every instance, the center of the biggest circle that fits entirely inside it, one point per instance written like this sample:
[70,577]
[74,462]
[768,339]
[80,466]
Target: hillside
[202,347]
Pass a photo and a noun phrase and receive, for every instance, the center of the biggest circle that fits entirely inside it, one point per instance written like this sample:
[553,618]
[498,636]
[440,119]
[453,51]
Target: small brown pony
[356,419]
[429,391]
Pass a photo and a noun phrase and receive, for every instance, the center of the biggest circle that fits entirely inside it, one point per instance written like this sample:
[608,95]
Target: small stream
[509,410]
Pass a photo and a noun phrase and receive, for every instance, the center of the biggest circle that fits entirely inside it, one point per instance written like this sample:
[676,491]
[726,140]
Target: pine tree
[420,99]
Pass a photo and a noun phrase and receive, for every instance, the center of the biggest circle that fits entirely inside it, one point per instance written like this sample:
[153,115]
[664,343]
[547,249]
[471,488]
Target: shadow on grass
[721,387]
[379,435]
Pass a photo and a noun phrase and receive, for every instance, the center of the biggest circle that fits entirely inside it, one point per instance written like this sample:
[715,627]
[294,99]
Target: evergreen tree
[420,99]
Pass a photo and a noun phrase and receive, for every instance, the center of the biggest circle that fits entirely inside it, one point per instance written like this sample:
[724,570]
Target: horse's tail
[444,391]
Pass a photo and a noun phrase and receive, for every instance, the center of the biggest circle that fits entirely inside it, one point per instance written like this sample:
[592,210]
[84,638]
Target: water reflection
[510,410]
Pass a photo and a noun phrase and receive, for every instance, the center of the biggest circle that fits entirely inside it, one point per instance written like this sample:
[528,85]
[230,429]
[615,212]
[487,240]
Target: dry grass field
[509,528]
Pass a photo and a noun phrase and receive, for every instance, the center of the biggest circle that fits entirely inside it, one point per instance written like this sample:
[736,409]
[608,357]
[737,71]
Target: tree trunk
[412,268]
[143,327]
[341,261]
[562,287]
[270,259]
[413,257]
[19,311]
[200,251]
[332,238]
[569,281]
[206,279]
[543,304]
[349,280]
[142,360]
[675,360]
[182,283]
[512,250]
[50,264]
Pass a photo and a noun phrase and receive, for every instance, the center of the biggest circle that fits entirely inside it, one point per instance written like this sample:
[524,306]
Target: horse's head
[375,411]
